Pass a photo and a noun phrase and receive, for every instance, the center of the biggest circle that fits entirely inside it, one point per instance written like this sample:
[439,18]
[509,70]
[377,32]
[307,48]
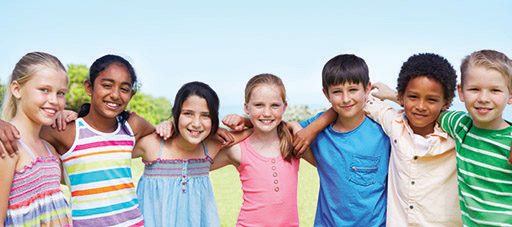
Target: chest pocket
[363,169]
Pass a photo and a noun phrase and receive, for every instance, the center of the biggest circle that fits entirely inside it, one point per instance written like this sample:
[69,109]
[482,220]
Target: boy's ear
[459,91]
[510,98]
[368,89]
[16,89]
[88,87]
[326,93]
[400,98]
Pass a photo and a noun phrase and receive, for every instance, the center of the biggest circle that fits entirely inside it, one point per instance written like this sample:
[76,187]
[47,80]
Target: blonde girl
[30,192]
[268,170]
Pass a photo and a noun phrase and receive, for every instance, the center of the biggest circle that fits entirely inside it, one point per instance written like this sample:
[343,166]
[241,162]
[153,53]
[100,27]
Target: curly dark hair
[432,66]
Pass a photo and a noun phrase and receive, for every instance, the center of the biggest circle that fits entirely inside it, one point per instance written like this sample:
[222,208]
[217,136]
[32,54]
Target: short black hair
[202,90]
[431,66]
[345,68]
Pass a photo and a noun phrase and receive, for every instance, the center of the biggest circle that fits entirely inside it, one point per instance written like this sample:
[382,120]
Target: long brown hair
[284,133]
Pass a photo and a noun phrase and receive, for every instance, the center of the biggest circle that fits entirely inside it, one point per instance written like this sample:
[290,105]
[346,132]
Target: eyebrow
[112,81]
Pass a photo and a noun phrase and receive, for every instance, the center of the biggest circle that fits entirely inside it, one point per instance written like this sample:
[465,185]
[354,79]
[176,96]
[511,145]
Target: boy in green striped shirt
[483,139]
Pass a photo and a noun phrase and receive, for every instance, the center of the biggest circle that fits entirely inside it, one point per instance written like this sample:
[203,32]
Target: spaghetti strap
[206,153]
[47,149]
[161,145]
[27,149]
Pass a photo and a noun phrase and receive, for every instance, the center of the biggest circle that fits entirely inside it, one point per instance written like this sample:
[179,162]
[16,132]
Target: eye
[106,85]
[495,90]
[126,89]
[473,89]
[61,93]
[353,89]
[412,96]
[44,90]
[205,115]
[187,113]
[276,105]
[433,100]
[258,104]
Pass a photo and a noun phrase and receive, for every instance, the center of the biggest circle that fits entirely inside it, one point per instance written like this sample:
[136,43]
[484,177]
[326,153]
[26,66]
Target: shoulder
[59,138]
[140,127]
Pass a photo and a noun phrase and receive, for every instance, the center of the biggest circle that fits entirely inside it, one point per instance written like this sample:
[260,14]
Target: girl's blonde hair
[284,133]
[26,67]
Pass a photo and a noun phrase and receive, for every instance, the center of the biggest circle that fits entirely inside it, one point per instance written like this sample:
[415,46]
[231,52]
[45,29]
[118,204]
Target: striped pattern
[485,177]
[98,172]
[177,168]
[35,198]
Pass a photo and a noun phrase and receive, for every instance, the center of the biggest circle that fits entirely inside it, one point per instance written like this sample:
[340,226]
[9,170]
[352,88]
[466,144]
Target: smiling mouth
[483,110]
[194,132]
[113,105]
[347,107]
[49,111]
[267,121]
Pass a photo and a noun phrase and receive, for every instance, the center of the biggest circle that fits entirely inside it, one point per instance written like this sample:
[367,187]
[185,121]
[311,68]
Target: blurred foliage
[154,110]
[299,113]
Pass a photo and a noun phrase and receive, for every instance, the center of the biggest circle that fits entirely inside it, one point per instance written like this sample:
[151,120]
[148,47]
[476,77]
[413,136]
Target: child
[96,148]
[422,183]
[351,154]
[175,189]
[30,183]
[268,170]
[483,139]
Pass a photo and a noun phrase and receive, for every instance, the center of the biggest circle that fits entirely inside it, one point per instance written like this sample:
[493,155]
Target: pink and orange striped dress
[98,170]
[35,198]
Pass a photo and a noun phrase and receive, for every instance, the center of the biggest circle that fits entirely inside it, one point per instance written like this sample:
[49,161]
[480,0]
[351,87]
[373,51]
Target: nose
[266,111]
[115,93]
[483,96]
[345,98]
[421,105]
[52,98]
[196,121]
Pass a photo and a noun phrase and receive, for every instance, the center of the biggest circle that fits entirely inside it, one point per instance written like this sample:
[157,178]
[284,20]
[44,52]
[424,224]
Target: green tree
[76,95]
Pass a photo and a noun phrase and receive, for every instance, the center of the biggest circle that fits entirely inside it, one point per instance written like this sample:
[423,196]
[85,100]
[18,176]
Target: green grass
[228,192]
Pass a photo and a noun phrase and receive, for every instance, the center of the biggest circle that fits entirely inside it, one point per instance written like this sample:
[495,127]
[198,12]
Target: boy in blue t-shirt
[352,153]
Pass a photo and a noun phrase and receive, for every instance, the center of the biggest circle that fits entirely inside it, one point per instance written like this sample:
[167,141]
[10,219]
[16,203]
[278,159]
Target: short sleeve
[305,123]
[453,121]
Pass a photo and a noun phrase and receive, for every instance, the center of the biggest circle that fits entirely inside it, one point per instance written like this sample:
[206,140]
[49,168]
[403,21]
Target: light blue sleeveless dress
[177,192]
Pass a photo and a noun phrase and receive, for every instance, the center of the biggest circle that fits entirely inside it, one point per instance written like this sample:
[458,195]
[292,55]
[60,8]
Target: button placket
[184,175]
[274,174]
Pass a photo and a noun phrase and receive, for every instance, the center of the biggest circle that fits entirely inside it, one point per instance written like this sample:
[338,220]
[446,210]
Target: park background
[224,43]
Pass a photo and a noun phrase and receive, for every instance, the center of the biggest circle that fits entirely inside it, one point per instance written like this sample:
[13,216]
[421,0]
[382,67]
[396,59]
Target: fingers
[165,129]
[8,138]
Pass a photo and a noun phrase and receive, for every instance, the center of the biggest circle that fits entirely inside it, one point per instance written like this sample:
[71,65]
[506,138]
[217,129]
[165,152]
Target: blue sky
[224,43]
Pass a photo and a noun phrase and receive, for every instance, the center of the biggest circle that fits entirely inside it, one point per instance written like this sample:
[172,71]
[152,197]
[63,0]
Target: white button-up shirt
[422,182]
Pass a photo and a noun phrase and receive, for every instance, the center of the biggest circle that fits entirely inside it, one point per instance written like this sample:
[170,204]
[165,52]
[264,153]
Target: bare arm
[384,92]
[140,126]
[7,172]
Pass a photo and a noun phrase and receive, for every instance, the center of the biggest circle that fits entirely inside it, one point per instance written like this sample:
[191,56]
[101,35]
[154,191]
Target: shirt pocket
[363,169]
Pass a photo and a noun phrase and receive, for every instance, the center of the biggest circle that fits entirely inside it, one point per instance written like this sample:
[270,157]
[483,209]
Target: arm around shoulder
[140,126]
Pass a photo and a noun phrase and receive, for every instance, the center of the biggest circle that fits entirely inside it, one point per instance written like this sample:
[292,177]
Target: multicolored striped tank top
[98,170]
[35,198]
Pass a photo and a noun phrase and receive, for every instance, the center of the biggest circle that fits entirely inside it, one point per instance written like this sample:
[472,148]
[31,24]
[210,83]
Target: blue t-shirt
[353,168]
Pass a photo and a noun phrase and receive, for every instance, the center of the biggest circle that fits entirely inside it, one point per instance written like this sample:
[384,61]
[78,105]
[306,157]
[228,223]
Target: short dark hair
[202,90]
[345,68]
[431,66]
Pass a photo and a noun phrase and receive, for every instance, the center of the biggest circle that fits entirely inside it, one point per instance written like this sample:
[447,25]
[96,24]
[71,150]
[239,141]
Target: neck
[100,123]
[181,144]
[29,130]
[264,136]
[348,124]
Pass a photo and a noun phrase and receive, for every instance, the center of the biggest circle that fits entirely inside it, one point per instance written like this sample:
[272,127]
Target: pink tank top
[269,186]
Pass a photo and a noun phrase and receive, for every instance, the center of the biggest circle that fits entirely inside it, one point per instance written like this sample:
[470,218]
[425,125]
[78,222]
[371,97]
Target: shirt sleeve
[305,123]
[453,121]
[381,113]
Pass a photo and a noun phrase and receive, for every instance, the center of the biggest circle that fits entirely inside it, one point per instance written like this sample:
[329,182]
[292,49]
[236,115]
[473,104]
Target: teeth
[194,133]
[266,121]
[111,104]
[50,111]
